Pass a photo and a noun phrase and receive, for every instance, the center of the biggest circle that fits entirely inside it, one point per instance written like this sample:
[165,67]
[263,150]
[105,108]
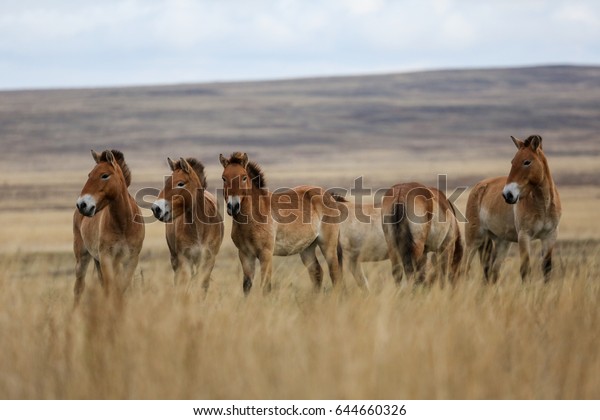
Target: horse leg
[107,273]
[547,249]
[421,262]
[248,266]
[205,268]
[394,253]
[415,259]
[444,269]
[329,247]
[310,261]
[500,252]
[487,255]
[436,273]
[472,250]
[358,273]
[98,272]
[174,262]
[397,267]
[456,257]
[183,273]
[266,270]
[126,278]
[525,251]
[83,260]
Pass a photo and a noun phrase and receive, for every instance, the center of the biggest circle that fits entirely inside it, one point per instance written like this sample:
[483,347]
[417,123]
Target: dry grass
[505,341]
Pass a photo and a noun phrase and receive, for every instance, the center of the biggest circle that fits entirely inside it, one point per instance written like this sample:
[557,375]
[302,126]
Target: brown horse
[194,228]
[294,221]
[417,220]
[519,208]
[362,239]
[107,225]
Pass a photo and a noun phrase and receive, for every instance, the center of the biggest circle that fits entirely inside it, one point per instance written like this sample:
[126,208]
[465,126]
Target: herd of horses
[412,222]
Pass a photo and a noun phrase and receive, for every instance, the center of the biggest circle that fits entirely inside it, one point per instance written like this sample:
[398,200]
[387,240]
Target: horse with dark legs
[193,225]
[107,226]
[522,207]
[418,220]
[294,221]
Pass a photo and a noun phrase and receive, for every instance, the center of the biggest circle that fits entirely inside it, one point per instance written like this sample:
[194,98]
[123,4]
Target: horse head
[105,182]
[528,168]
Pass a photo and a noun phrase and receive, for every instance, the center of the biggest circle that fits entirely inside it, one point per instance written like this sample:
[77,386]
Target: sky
[90,43]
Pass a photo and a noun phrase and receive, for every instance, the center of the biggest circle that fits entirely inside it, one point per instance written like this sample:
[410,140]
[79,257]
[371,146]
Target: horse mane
[254,170]
[339,198]
[529,139]
[120,158]
[197,166]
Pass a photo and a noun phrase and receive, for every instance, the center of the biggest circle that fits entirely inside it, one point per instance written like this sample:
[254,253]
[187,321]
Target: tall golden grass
[511,340]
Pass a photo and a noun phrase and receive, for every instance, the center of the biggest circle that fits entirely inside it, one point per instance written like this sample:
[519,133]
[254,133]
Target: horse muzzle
[86,205]
[160,210]
[511,193]
[233,206]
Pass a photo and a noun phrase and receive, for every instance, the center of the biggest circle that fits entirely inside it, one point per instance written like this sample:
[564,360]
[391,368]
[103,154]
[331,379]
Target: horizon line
[298,78]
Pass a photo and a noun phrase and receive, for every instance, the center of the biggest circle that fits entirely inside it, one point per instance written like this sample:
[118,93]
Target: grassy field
[511,340]
[506,341]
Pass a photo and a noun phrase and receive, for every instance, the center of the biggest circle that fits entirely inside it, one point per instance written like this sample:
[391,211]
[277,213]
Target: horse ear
[110,158]
[244,162]
[96,156]
[185,165]
[224,161]
[536,143]
[171,163]
[517,142]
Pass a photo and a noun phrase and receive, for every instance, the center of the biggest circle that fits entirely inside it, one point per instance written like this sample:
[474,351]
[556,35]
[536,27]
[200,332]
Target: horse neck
[199,207]
[544,194]
[121,211]
[257,197]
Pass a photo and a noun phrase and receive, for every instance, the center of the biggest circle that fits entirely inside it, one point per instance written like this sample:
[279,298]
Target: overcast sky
[64,43]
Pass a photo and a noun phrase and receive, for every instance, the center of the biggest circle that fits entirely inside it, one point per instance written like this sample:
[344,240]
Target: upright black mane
[120,158]
[197,166]
[254,170]
[531,138]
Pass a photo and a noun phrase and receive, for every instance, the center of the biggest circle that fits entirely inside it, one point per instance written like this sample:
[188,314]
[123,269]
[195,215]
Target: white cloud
[365,7]
[162,40]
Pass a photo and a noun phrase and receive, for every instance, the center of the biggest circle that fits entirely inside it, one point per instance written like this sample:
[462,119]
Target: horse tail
[340,252]
[458,245]
[458,251]
[403,238]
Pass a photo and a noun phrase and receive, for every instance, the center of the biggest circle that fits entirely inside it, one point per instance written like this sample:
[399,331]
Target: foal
[107,225]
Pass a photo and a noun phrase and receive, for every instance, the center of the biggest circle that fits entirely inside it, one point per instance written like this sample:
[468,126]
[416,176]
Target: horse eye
[527,163]
[105,176]
[224,179]
[244,179]
[181,184]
